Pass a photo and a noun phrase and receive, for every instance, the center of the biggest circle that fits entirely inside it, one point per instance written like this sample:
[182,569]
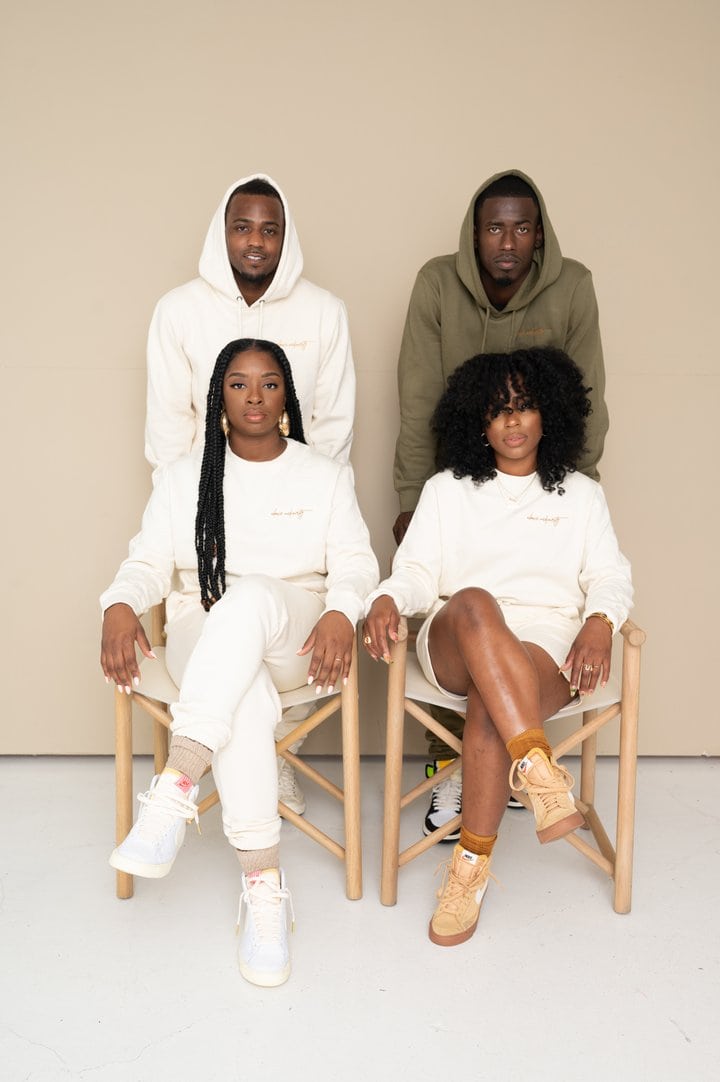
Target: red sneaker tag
[184,784]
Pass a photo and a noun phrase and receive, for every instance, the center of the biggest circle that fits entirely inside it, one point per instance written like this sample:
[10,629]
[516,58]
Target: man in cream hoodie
[250,286]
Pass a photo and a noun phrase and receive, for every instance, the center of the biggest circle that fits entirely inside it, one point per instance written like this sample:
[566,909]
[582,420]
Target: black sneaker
[513,802]
[446,800]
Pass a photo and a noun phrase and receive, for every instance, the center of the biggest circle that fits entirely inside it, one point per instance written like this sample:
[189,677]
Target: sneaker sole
[135,867]
[458,937]
[264,980]
[561,828]
[453,837]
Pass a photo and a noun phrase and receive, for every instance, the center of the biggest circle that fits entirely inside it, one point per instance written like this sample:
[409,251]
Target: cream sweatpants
[230,665]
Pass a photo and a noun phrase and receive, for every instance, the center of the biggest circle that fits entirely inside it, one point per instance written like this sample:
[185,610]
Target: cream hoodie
[192,323]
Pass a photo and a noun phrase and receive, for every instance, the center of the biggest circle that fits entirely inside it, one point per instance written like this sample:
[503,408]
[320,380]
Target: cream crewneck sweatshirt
[294,518]
[544,549]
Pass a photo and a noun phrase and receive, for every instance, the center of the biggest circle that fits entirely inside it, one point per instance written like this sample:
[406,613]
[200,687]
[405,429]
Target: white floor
[553,986]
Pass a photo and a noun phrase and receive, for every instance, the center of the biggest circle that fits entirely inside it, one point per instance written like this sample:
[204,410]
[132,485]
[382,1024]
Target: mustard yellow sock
[524,742]
[482,844]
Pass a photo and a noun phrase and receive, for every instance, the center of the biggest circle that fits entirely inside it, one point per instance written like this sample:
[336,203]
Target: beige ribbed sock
[189,758]
[257,860]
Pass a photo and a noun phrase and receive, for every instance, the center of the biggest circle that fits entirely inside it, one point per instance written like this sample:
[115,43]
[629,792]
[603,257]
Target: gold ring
[588,668]
[338,659]
[367,640]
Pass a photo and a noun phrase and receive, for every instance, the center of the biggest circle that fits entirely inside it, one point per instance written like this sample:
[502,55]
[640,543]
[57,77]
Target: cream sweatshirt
[556,552]
[294,518]
[192,323]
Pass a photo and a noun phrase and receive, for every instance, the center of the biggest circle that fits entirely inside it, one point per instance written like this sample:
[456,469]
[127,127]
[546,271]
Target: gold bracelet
[606,618]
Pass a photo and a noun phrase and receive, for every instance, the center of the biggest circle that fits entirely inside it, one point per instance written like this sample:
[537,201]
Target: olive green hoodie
[451,319]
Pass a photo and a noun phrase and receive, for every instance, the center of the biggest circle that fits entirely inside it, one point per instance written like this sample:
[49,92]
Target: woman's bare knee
[473,607]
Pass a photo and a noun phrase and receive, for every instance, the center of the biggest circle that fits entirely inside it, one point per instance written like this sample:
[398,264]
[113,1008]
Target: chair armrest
[157,625]
[633,634]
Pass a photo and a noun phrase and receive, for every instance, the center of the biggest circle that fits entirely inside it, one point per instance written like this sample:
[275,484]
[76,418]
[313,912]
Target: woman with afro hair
[265,561]
[512,556]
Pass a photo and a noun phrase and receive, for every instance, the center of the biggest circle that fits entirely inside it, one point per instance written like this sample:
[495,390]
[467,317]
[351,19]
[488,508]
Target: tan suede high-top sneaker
[548,786]
[461,894]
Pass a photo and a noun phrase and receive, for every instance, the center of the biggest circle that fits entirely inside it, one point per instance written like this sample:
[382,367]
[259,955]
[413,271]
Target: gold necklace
[517,497]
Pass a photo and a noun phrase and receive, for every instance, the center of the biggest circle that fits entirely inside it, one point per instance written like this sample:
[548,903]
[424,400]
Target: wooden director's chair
[155,694]
[407,688]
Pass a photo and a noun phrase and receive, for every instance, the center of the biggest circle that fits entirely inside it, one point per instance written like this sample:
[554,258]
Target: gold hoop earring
[224,424]
[284,424]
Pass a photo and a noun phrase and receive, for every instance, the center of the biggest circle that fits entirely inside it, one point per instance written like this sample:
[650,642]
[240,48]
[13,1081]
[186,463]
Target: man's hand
[401,525]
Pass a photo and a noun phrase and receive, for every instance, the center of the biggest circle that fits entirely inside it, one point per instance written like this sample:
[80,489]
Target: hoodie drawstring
[240,303]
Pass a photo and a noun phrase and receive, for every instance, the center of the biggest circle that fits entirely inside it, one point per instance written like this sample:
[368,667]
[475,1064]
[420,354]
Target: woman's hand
[331,643]
[588,659]
[120,631]
[381,627]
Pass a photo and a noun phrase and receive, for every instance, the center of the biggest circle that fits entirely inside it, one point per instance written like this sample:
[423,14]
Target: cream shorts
[554,630]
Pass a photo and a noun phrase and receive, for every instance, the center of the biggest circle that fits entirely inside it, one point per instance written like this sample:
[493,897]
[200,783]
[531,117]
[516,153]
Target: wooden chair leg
[160,744]
[588,761]
[123,783]
[393,774]
[351,782]
[627,778]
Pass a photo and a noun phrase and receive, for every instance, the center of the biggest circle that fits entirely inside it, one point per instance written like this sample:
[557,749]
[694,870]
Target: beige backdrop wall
[125,124]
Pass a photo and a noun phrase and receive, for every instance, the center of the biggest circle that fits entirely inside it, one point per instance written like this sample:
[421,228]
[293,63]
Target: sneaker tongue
[537,765]
[180,781]
[271,876]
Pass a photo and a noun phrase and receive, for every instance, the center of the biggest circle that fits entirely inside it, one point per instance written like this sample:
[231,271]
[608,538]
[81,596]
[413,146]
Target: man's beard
[503,281]
[255,276]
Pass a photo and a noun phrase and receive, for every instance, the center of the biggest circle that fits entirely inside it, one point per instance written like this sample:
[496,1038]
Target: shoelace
[264,900]
[457,890]
[447,794]
[177,806]
[545,792]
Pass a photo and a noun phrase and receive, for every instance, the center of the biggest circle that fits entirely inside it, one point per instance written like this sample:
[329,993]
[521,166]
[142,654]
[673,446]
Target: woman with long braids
[264,558]
[513,556]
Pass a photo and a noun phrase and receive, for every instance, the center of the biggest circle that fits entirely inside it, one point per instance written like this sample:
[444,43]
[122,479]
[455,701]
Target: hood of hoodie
[215,266]
[547,261]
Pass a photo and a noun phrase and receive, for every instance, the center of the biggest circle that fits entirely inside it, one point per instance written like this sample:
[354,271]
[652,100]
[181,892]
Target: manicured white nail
[331,688]
[107,679]
[153,656]
[318,689]
[310,679]
[136,681]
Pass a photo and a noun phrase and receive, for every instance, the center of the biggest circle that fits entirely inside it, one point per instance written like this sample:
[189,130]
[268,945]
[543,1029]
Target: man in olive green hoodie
[507,287]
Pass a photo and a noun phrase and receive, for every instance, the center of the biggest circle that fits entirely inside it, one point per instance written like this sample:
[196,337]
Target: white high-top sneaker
[263,917]
[153,843]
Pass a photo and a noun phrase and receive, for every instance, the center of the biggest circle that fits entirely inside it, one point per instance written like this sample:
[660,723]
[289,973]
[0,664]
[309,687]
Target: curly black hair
[210,517]
[546,378]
